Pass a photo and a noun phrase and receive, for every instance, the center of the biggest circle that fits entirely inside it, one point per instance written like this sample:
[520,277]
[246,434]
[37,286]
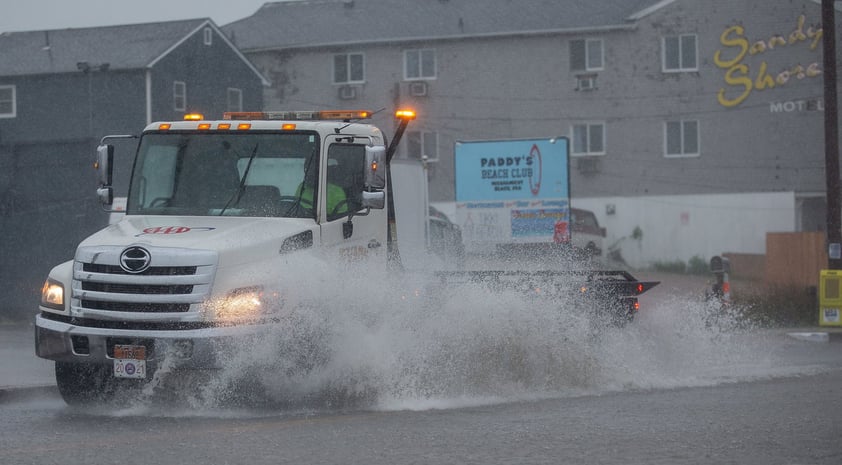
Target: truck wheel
[82,383]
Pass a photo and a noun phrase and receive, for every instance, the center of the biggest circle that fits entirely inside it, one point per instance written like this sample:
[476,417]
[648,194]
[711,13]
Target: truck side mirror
[106,195]
[375,168]
[104,164]
[375,200]
[104,170]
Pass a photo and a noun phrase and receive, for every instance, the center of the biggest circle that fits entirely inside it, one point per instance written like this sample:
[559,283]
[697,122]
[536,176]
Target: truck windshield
[225,174]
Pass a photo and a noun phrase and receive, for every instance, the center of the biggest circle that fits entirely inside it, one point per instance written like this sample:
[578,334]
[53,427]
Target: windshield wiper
[236,197]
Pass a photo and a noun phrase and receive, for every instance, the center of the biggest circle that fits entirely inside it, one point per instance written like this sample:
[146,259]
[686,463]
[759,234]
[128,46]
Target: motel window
[680,53]
[8,103]
[588,139]
[419,64]
[348,68]
[419,143]
[235,99]
[586,55]
[179,93]
[681,138]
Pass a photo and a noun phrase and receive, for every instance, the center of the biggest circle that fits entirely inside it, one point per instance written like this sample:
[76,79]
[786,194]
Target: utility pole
[88,69]
[831,137]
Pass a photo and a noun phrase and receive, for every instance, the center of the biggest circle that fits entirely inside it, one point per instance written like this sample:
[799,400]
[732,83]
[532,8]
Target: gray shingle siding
[504,72]
[52,91]
[47,201]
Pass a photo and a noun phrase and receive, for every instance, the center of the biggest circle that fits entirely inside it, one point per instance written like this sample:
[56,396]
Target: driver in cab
[337,204]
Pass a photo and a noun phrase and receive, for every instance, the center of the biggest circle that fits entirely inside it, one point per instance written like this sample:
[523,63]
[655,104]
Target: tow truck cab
[214,214]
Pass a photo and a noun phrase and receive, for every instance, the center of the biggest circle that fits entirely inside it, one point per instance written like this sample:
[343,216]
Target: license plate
[129,361]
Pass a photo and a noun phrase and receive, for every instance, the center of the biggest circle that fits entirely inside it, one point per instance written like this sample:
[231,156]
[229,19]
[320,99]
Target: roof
[313,23]
[133,46]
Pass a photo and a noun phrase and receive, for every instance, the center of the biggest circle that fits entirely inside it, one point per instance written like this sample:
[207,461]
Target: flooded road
[774,421]
[469,376]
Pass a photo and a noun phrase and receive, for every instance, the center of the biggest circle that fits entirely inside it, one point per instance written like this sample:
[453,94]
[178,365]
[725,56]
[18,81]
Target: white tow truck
[217,211]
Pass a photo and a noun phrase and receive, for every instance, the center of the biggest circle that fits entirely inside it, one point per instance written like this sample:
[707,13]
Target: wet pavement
[20,368]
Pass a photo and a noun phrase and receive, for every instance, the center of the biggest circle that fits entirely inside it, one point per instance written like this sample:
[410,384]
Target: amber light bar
[341,115]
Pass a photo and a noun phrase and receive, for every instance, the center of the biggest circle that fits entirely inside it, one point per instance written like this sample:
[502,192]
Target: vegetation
[756,304]
[780,307]
[696,266]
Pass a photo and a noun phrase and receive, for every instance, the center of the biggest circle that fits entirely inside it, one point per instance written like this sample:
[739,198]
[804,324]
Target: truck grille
[177,279]
[152,271]
[135,307]
[137,288]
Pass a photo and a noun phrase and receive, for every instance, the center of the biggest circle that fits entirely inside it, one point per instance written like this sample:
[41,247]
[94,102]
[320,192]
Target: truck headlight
[244,304]
[52,294]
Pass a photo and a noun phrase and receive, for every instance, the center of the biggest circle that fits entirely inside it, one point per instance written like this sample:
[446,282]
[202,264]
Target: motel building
[696,127]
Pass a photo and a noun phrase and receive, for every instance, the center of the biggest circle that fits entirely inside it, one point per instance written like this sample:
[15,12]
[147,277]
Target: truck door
[355,233]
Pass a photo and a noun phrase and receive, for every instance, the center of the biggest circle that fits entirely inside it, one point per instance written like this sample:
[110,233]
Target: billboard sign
[512,191]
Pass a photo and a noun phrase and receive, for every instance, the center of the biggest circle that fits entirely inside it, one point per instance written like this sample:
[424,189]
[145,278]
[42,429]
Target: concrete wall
[681,227]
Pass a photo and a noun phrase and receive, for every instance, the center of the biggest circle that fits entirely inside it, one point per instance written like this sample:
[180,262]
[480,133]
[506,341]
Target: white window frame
[419,58]
[13,100]
[424,137]
[685,153]
[179,95]
[589,43]
[237,95]
[348,77]
[588,126]
[682,59]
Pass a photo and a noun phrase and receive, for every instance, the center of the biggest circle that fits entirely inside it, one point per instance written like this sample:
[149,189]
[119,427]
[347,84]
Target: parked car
[446,237]
[586,234]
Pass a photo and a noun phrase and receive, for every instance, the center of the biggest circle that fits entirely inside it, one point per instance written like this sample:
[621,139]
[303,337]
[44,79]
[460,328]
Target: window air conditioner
[418,89]
[347,93]
[586,83]
[587,165]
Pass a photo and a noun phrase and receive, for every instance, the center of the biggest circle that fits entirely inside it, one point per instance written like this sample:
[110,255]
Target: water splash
[374,340]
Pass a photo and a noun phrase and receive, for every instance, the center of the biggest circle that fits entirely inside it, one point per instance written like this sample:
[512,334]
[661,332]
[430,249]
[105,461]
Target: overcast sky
[33,15]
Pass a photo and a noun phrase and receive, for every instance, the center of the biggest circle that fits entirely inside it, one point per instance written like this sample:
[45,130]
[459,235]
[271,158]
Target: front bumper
[203,348]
